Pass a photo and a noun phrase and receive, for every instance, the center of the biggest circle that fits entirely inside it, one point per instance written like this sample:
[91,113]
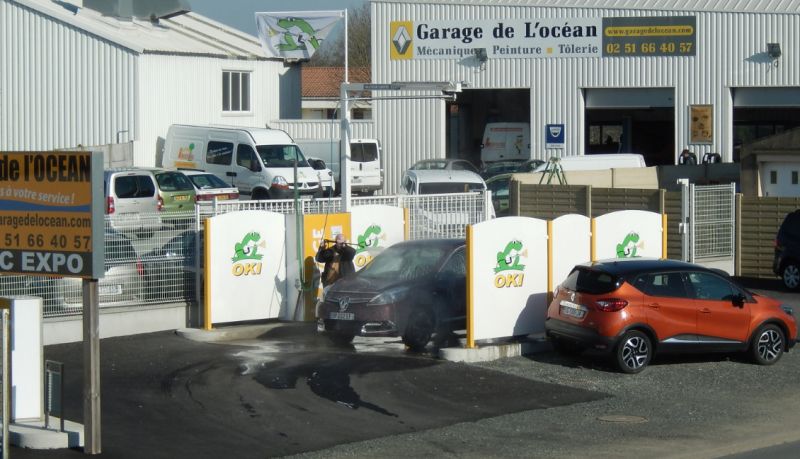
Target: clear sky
[241,13]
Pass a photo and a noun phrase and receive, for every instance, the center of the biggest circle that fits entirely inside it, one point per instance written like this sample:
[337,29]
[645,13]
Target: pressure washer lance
[345,243]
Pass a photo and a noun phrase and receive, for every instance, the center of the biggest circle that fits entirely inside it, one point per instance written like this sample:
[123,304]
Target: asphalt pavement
[290,392]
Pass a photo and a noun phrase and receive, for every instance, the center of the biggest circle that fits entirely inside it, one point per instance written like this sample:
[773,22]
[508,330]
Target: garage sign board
[51,213]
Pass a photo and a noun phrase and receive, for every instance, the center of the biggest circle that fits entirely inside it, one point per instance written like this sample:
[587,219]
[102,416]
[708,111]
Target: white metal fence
[712,222]
[165,265]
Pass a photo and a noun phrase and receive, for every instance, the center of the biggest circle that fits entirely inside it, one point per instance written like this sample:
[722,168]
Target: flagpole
[346,74]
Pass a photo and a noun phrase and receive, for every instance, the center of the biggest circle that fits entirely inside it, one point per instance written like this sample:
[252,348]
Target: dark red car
[413,289]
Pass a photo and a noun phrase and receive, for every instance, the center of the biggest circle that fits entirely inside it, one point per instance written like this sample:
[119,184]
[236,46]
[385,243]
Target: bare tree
[331,54]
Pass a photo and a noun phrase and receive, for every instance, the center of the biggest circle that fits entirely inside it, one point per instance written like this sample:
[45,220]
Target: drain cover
[622,418]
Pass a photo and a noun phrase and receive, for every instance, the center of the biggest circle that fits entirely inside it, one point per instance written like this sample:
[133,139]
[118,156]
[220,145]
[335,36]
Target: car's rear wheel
[791,275]
[633,352]
[340,338]
[767,345]
[419,329]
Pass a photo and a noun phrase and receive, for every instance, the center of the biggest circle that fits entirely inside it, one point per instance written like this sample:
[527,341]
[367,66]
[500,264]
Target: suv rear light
[610,304]
[139,267]
[160,204]
[110,208]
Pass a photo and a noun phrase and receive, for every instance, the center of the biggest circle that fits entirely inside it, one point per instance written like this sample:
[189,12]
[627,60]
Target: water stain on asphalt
[329,379]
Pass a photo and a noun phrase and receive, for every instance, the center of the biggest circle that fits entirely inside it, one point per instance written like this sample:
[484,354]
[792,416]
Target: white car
[209,187]
[430,181]
[442,218]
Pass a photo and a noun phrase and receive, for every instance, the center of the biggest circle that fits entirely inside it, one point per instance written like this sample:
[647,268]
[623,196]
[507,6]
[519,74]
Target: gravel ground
[696,406]
[683,407]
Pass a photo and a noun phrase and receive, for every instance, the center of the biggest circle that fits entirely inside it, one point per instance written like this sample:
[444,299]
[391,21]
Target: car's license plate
[182,197]
[570,309]
[115,289]
[342,316]
[221,197]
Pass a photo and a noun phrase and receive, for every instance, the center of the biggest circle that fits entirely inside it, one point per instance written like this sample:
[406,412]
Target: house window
[794,177]
[235,91]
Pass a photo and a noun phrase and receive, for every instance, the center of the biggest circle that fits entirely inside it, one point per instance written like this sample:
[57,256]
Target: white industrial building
[640,76]
[75,76]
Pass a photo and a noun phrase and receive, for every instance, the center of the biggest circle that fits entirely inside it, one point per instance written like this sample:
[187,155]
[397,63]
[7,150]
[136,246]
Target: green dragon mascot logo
[298,35]
[370,239]
[509,258]
[248,248]
[628,247]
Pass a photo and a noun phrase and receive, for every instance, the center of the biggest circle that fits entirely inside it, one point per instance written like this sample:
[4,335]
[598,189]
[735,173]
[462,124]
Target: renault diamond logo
[572,296]
[344,303]
[401,40]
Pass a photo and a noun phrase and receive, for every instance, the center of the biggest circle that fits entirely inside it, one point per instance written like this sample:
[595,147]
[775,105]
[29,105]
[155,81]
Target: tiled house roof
[325,82]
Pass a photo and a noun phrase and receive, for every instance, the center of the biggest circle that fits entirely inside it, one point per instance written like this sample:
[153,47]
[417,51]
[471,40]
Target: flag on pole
[295,34]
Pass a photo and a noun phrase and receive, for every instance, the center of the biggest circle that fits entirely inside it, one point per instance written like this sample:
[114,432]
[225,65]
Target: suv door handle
[705,311]
[231,174]
[654,305]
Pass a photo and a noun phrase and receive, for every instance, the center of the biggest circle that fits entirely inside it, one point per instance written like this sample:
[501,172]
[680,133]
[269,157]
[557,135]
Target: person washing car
[338,259]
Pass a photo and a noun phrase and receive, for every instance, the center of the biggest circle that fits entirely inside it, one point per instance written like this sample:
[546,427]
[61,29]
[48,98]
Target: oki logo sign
[510,272]
[246,258]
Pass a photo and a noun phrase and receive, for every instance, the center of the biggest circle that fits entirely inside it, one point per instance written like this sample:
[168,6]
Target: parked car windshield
[281,156]
[404,262]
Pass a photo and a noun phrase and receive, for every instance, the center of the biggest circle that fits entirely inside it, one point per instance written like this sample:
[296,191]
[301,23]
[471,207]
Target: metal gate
[709,225]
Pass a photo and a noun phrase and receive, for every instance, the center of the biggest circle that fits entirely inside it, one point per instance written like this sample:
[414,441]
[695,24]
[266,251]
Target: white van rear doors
[506,142]
[365,165]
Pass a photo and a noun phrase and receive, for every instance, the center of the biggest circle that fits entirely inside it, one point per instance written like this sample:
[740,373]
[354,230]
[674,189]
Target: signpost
[52,224]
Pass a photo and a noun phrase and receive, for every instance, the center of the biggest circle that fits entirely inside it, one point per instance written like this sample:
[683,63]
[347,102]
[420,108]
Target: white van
[597,162]
[259,162]
[506,142]
[366,175]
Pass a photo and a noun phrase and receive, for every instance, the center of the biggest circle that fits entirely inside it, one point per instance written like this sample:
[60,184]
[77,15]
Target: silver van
[132,201]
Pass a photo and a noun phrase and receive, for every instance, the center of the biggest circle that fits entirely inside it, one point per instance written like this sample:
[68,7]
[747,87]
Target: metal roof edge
[62,15]
[611,6]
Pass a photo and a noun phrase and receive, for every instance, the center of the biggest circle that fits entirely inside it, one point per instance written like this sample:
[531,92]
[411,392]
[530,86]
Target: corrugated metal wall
[188,89]
[759,222]
[60,86]
[731,51]
[324,129]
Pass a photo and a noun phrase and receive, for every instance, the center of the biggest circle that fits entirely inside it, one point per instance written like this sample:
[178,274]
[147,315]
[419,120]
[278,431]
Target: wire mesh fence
[147,265]
[713,221]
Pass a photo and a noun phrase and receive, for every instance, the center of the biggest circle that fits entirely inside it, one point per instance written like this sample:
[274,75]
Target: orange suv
[633,308]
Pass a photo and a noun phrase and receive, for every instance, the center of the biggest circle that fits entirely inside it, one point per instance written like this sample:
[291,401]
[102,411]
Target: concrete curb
[34,435]
[489,352]
[238,332]
[482,353]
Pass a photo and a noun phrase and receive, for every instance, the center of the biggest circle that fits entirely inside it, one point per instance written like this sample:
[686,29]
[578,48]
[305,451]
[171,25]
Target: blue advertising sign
[554,135]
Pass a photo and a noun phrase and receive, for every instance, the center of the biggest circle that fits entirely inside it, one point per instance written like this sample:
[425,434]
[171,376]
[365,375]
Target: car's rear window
[591,281]
[133,186]
[449,187]
[173,181]
[203,181]
[363,152]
